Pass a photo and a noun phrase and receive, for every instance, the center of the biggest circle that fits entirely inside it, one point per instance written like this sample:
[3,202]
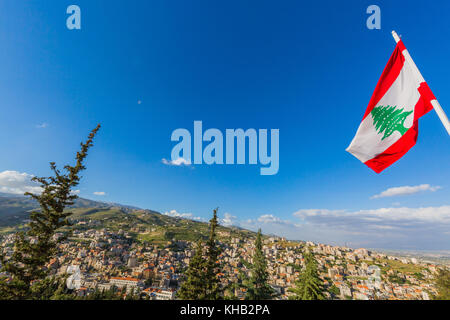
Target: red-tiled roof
[125,278]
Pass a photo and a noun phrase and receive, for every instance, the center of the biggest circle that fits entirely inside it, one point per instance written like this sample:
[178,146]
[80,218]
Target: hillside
[110,240]
[142,225]
[14,209]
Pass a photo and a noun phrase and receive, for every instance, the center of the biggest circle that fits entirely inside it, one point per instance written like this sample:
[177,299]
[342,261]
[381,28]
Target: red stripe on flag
[427,95]
[395,151]
[389,75]
[408,140]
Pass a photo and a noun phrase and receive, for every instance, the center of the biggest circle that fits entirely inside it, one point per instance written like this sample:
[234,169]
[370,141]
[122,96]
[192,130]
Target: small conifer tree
[34,248]
[309,286]
[202,282]
[193,287]
[256,285]
[213,288]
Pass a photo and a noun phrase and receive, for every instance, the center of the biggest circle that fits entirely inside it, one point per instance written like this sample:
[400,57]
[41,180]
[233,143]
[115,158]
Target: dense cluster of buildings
[100,259]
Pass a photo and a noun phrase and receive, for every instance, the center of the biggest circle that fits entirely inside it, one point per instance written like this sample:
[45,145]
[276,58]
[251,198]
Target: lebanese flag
[391,123]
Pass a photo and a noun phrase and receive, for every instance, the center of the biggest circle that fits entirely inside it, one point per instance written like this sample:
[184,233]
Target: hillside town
[102,259]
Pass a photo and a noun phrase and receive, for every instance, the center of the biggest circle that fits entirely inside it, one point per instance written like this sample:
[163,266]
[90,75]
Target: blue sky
[145,68]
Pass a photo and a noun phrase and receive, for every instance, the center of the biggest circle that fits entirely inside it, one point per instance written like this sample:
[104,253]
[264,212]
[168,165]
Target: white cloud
[176,162]
[228,220]
[405,190]
[270,218]
[15,182]
[401,215]
[175,214]
[265,219]
[395,227]
[390,228]
[316,212]
[42,125]
[100,193]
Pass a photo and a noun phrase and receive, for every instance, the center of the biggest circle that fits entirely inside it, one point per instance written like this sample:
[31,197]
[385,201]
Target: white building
[120,282]
[165,295]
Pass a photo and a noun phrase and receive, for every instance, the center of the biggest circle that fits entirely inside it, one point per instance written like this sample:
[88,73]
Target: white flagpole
[437,107]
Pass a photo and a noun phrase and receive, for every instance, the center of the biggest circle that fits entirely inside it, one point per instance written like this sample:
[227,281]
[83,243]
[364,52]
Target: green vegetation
[398,266]
[257,285]
[15,209]
[213,268]
[202,281]
[418,276]
[155,237]
[145,226]
[394,278]
[193,287]
[14,229]
[309,286]
[443,285]
[334,290]
[34,248]
[288,244]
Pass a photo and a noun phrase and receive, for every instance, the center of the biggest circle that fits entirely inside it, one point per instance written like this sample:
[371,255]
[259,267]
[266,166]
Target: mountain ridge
[141,224]
[15,208]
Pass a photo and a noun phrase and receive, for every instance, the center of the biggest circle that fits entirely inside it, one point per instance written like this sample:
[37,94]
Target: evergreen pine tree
[202,281]
[257,284]
[193,288]
[212,282]
[309,286]
[34,248]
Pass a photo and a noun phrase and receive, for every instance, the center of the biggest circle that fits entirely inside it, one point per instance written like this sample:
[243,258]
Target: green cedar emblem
[389,119]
